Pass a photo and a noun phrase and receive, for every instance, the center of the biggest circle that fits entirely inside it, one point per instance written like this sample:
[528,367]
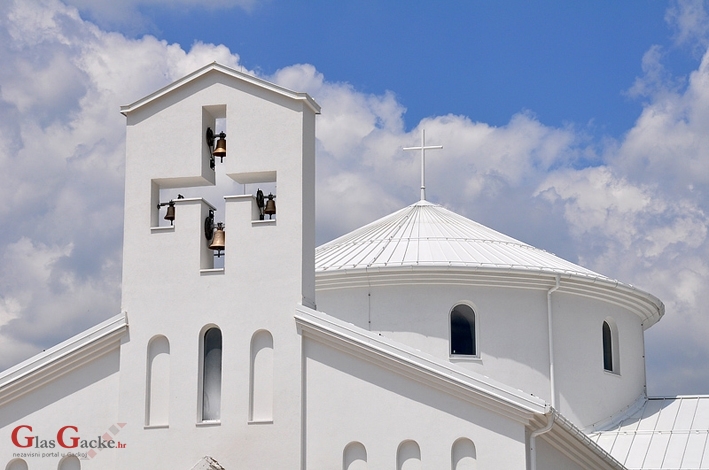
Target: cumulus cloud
[643,217]
[690,20]
[639,213]
[61,165]
[362,164]
[127,13]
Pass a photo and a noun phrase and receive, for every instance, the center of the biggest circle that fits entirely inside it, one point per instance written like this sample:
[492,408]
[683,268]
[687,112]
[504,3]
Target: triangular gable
[215,67]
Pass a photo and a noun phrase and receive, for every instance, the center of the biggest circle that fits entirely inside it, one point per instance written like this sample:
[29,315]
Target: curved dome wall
[403,274]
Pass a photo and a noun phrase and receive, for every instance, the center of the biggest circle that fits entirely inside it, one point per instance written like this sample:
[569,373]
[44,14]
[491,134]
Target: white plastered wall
[86,397]
[512,338]
[588,394]
[549,458]
[350,399]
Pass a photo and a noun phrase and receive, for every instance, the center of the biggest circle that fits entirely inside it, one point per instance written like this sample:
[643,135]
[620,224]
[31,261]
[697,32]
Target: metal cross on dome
[423,149]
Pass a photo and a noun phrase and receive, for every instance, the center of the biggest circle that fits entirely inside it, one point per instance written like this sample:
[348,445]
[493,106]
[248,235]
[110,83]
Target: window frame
[614,346]
[201,420]
[476,330]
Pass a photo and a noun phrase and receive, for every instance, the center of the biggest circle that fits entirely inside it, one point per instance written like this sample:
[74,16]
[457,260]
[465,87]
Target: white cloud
[126,13]
[691,22]
[362,165]
[656,79]
[643,218]
[61,164]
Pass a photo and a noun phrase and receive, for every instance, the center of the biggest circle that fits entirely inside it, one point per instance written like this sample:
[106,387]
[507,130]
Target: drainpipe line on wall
[539,432]
[552,382]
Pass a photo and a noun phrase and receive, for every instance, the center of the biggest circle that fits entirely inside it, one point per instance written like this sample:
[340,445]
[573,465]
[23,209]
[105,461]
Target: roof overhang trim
[409,362]
[216,67]
[648,307]
[62,358]
[572,442]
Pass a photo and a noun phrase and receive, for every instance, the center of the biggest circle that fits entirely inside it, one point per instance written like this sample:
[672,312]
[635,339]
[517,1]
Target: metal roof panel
[695,450]
[638,450]
[427,234]
[665,433]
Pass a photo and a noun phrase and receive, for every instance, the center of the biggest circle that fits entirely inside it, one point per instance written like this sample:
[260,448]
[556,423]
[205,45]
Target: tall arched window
[70,463]
[611,361]
[607,347]
[157,392]
[463,455]
[261,393]
[463,331]
[211,374]
[354,457]
[408,456]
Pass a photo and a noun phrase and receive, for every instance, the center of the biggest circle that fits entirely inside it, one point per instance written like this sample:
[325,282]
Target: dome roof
[446,247]
[426,234]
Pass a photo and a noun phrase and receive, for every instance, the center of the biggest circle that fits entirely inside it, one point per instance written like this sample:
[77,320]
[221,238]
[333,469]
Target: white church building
[423,340]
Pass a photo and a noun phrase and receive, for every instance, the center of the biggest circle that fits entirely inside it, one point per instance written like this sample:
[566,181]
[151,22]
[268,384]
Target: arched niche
[157,392]
[463,455]
[16,464]
[70,462]
[261,377]
[408,456]
[354,457]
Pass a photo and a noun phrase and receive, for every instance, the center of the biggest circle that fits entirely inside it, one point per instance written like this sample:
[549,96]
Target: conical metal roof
[426,234]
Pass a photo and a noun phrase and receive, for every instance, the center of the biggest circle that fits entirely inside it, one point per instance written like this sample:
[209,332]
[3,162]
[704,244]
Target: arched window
[261,409]
[354,457]
[157,392]
[70,463]
[611,361]
[408,456]
[16,464]
[463,456]
[211,374]
[463,331]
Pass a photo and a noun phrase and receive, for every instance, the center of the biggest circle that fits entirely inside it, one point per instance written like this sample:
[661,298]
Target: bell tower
[212,347]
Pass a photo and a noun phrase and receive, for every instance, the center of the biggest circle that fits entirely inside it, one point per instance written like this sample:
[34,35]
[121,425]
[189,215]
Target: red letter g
[28,440]
[74,440]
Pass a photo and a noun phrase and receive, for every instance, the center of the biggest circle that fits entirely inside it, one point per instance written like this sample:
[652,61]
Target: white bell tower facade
[213,352]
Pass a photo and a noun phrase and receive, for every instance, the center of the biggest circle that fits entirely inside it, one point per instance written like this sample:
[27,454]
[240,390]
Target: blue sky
[578,127]
[567,62]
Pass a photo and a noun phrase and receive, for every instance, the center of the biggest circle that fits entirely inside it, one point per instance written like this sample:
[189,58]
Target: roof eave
[407,361]
[214,66]
[648,307]
[570,440]
[62,358]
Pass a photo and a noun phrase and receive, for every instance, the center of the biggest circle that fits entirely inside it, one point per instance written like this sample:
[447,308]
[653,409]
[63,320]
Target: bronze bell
[270,206]
[218,240]
[220,149]
[170,212]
